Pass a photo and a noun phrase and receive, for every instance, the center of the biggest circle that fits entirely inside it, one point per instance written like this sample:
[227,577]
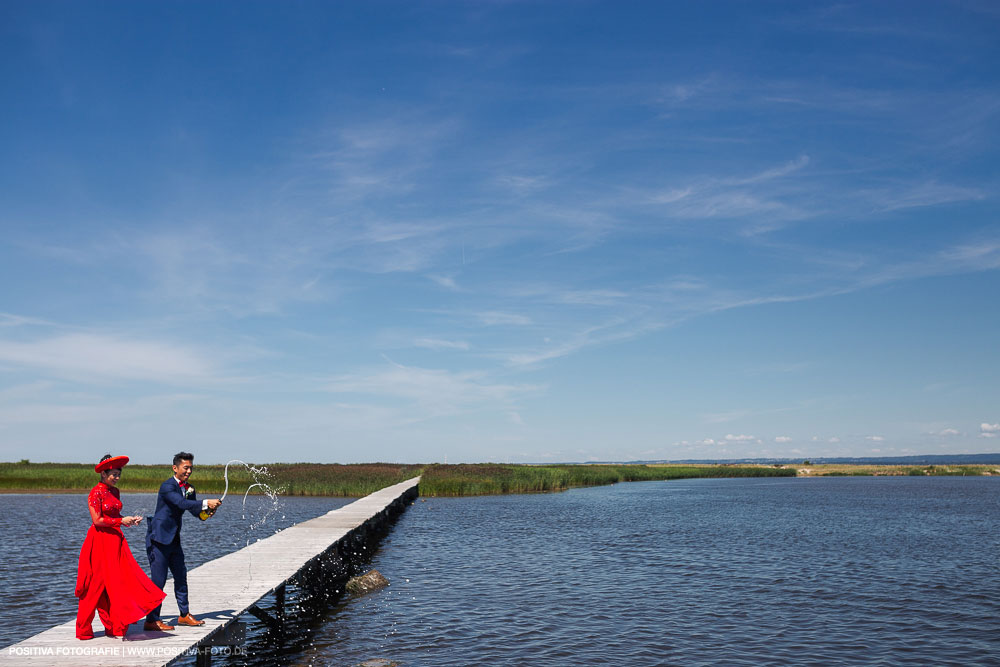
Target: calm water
[862,571]
[42,536]
[866,571]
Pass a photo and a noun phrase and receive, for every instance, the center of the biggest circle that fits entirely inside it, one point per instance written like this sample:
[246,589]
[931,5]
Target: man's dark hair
[183,456]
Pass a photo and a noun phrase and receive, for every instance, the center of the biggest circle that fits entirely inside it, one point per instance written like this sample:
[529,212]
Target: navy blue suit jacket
[170,507]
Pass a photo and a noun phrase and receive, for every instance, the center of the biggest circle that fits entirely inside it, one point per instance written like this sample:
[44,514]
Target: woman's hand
[131,520]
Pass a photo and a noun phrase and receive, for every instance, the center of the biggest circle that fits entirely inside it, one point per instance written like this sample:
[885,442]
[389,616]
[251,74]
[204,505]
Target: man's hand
[213,503]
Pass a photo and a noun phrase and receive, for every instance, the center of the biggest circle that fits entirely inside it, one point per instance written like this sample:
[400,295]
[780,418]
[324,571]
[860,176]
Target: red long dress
[108,578]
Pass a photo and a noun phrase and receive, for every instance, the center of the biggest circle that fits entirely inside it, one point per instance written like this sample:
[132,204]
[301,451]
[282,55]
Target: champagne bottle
[204,514]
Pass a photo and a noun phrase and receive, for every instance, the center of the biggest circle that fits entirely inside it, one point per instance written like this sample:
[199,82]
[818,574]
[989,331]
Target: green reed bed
[333,479]
[494,478]
[296,479]
[356,480]
[950,471]
[75,477]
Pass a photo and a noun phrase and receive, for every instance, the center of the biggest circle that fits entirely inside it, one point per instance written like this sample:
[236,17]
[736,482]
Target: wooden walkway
[221,590]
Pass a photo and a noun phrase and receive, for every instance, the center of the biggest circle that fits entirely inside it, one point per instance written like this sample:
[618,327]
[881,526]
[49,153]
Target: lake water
[42,536]
[858,571]
[863,571]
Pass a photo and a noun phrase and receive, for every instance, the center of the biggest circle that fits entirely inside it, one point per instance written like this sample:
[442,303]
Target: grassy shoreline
[296,479]
[356,480]
[885,470]
[475,479]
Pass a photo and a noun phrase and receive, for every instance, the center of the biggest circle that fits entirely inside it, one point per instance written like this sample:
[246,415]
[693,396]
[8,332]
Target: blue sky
[502,231]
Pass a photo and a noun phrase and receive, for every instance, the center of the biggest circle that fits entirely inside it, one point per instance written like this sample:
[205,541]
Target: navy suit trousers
[161,558]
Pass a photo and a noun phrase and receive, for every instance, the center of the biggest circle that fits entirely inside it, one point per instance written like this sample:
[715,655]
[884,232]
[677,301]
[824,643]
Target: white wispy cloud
[448,282]
[772,173]
[438,391]
[923,194]
[734,204]
[979,256]
[723,417]
[875,438]
[564,293]
[759,202]
[595,297]
[111,412]
[27,390]
[669,196]
[498,318]
[740,438]
[782,367]
[989,430]
[440,344]
[660,307]
[384,156]
[12,320]
[210,268]
[524,184]
[614,331]
[110,357]
[672,94]
[781,439]
[393,232]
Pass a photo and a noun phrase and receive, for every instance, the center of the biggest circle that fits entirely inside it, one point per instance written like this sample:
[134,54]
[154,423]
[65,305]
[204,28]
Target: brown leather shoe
[188,619]
[149,626]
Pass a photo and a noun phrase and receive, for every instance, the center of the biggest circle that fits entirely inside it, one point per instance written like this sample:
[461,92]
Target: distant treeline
[355,480]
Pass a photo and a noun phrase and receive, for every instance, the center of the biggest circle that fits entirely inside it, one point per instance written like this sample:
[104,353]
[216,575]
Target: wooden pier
[221,591]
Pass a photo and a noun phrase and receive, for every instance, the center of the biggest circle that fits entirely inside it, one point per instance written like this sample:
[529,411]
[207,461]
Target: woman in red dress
[108,578]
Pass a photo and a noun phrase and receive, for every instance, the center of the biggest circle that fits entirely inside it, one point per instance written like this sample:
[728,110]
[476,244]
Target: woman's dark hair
[183,456]
[103,459]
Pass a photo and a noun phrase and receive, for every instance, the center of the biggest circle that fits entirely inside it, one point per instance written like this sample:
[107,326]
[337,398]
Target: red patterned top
[108,503]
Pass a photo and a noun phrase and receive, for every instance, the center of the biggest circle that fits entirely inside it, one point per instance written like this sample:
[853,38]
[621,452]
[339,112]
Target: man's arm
[173,496]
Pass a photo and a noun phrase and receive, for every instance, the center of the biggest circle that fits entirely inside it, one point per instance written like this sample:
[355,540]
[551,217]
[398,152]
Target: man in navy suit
[163,538]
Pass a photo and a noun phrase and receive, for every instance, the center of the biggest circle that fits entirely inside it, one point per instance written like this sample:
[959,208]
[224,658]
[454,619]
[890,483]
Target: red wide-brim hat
[112,463]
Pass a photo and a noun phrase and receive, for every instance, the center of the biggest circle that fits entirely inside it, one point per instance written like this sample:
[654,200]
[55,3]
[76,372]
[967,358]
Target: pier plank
[221,590]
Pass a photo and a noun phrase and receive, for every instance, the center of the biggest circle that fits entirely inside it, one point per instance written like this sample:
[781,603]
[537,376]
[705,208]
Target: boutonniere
[189,492]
